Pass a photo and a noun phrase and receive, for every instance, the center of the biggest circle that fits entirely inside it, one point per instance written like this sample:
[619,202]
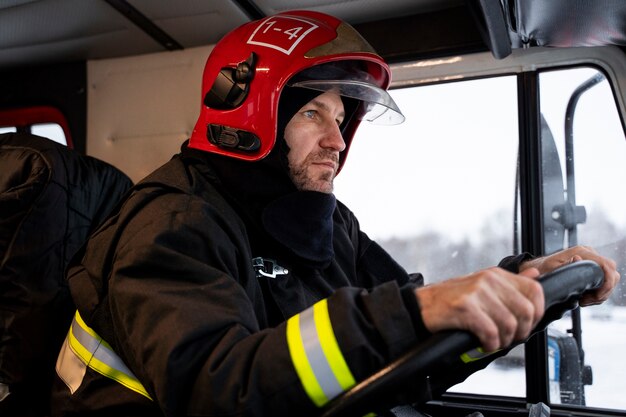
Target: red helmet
[248,69]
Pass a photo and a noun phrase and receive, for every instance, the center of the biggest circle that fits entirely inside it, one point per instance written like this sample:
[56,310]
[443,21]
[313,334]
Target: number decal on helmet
[282,33]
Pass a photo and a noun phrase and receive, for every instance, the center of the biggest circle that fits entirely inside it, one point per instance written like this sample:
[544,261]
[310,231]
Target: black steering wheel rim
[562,289]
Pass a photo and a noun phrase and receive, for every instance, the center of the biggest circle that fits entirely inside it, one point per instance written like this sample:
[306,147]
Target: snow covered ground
[604,343]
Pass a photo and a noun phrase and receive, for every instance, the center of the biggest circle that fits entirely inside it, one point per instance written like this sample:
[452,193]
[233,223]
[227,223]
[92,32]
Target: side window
[44,121]
[587,135]
[438,191]
[415,190]
[49,130]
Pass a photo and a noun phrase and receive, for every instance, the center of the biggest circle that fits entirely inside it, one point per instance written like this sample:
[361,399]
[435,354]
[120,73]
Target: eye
[310,114]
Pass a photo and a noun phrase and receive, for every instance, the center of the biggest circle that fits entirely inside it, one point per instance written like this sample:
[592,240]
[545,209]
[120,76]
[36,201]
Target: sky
[404,179]
[454,157]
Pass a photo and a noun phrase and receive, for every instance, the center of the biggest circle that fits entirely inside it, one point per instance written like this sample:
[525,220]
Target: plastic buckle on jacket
[267,268]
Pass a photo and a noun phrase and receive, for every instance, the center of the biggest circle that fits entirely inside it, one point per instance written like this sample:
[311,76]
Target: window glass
[43,121]
[596,195]
[439,212]
[51,131]
[438,191]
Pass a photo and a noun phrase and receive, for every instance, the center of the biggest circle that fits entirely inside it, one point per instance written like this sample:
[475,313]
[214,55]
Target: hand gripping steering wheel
[562,289]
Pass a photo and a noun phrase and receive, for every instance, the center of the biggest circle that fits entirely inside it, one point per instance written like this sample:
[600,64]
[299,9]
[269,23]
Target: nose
[332,138]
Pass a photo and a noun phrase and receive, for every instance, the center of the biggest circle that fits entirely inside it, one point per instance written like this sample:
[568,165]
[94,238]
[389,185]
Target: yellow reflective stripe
[330,346]
[316,355]
[301,363]
[100,352]
[476,354]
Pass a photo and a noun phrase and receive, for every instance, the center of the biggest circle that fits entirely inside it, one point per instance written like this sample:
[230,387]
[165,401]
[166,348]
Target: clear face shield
[346,80]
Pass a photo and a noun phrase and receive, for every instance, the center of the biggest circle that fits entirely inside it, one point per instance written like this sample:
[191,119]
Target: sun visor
[379,106]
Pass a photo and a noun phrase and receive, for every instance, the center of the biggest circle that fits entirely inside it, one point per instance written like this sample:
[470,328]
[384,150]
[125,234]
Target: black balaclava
[263,193]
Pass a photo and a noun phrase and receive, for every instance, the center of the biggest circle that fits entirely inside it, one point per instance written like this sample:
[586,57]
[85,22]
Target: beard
[305,179]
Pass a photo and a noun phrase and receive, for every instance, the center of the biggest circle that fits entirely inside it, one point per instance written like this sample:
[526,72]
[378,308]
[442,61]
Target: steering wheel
[562,289]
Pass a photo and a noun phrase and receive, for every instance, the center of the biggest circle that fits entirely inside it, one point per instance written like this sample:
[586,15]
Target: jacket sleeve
[513,262]
[383,306]
[376,266]
[192,333]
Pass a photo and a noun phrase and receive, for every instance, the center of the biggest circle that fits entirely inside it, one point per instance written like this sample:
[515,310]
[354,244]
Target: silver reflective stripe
[315,354]
[96,353]
[99,351]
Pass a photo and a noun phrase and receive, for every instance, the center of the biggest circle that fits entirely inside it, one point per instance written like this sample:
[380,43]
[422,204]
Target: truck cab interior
[514,135]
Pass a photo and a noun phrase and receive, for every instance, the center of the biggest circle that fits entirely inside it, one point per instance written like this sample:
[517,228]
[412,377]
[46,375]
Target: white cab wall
[141,109]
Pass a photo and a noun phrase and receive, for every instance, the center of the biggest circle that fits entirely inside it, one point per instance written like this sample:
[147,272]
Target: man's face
[315,141]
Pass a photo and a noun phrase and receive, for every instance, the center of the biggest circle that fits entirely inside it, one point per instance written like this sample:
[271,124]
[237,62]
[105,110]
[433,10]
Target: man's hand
[497,306]
[577,253]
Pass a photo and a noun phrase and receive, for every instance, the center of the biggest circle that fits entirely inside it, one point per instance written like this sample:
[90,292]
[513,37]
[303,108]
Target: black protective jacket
[169,282]
[51,198]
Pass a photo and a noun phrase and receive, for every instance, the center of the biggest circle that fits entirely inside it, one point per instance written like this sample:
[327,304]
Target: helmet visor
[379,107]
[350,78]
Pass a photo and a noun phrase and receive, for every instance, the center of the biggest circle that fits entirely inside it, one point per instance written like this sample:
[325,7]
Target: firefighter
[232,282]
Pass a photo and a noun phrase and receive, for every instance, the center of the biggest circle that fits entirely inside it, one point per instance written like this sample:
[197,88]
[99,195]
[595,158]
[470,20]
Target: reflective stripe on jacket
[92,351]
[316,356]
